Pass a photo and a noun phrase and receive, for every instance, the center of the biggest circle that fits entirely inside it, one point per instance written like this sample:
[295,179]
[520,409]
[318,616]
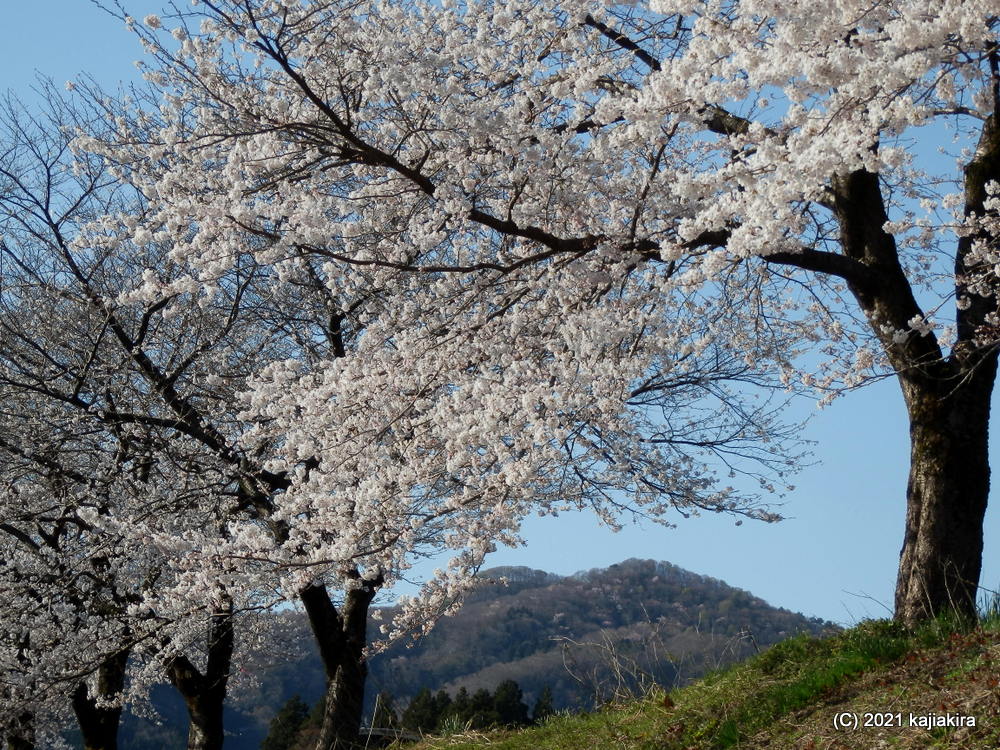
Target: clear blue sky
[834,557]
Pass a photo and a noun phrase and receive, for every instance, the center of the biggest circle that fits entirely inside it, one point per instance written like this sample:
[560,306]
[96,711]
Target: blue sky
[834,557]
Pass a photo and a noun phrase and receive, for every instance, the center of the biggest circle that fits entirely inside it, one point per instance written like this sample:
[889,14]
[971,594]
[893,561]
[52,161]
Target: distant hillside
[652,616]
[586,636]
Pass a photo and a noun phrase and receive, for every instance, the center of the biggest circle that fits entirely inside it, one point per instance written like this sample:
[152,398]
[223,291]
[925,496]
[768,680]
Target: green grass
[725,708]
[736,703]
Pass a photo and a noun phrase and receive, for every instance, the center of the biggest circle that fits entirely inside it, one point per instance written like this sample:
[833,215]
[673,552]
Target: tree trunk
[946,496]
[947,396]
[342,637]
[345,695]
[99,724]
[205,726]
[205,694]
[941,559]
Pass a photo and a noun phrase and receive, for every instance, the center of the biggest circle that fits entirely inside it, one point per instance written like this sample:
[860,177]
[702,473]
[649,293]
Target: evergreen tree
[286,725]
[482,712]
[460,707]
[442,703]
[509,705]
[422,713]
[309,732]
[543,706]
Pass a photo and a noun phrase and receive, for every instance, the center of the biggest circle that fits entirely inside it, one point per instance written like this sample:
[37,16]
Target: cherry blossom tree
[551,202]
[443,369]
[409,469]
[440,403]
[93,466]
[121,461]
[435,333]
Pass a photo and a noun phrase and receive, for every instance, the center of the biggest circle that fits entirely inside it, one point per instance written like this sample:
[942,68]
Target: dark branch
[622,41]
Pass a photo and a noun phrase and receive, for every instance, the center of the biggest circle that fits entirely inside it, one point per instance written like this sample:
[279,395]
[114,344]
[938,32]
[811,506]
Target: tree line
[295,724]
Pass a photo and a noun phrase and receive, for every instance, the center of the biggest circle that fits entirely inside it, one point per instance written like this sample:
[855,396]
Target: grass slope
[788,697]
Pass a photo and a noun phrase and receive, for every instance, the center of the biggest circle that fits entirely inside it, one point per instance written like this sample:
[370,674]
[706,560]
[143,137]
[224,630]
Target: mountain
[588,637]
[647,616]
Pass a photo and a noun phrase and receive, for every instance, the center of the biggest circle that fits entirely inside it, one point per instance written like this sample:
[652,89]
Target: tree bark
[946,496]
[948,489]
[205,694]
[342,637]
[947,396]
[99,724]
[948,403]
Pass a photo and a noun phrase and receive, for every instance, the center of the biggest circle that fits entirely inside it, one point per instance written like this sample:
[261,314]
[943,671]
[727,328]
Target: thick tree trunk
[947,395]
[205,694]
[946,497]
[205,727]
[342,637]
[99,724]
[345,695]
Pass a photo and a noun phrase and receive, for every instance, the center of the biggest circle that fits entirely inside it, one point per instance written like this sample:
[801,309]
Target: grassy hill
[788,697]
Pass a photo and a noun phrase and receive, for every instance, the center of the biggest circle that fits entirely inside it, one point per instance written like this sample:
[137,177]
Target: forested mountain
[585,636]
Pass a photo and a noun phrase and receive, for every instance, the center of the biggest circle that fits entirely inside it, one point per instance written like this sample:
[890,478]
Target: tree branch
[622,41]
